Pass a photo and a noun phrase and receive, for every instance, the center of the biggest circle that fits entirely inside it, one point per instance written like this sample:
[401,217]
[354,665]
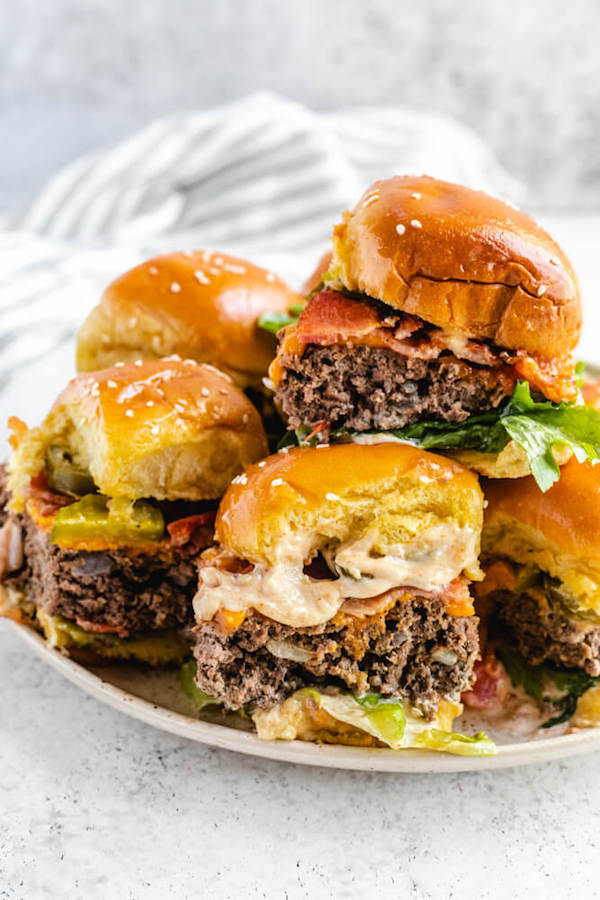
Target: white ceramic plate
[155,698]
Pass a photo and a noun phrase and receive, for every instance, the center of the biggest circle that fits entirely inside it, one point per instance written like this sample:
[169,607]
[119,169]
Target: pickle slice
[64,476]
[96,517]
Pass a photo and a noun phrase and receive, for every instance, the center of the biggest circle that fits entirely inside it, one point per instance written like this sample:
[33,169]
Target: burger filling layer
[545,619]
[285,592]
[91,584]
[413,648]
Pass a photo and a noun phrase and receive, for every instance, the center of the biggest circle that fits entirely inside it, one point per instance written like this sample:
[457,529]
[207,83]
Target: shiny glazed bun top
[461,259]
[523,523]
[200,305]
[393,492]
[168,429]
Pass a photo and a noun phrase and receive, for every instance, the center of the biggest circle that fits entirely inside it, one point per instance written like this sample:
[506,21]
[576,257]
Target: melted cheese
[284,593]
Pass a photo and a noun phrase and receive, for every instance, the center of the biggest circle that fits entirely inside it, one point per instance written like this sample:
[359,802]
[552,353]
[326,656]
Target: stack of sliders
[328,598]
[446,319]
[335,604]
[107,503]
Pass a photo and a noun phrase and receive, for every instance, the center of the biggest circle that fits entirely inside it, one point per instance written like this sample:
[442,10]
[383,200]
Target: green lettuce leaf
[275,321]
[199,699]
[536,426]
[389,720]
[547,683]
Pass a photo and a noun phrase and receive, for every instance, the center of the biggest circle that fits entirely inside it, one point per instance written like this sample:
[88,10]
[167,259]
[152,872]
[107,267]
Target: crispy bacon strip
[491,687]
[47,502]
[331,317]
[192,532]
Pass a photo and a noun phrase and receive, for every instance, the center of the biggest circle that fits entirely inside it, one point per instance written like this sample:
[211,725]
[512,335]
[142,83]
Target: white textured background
[525,75]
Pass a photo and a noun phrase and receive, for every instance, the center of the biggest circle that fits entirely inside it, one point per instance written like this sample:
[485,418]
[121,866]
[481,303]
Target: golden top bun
[166,429]
[341,491]
[200,305]
[462,260]
[567,515]
[316,277]
[556,531]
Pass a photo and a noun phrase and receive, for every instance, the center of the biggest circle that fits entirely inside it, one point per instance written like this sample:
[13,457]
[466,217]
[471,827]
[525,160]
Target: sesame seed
[119,365]
[175,287]
[262,463]
[205,392]
[133,322]
[183,401]
[541,290]
[223,391]
[370,199]
[111,383]
[95,392]
[129,413]
[218,260]
[245,418]
[150,403]
[160,392]
[213,271]
[105,338]
[189,362]
[416,195]
[138,362]
[415,223]
[174,357]
[241,479]
[400,229]
[201,277]
[270,276]
[178,408]
[276,482]
[331,496]
[154,429]
[237,270]
[152,270]
[83,421]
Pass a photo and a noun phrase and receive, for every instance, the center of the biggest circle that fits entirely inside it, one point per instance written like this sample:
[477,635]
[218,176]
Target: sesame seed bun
[340,491]
[167,429]
[463,260]
[200,305]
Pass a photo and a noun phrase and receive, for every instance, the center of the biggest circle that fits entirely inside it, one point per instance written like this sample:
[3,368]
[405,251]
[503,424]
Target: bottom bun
[511,462]
[153,648]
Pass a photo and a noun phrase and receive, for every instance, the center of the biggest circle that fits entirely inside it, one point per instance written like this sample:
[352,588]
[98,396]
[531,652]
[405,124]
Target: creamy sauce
[283,591]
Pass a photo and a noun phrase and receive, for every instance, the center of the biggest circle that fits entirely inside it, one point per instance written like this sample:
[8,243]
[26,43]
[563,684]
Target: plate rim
[366,759]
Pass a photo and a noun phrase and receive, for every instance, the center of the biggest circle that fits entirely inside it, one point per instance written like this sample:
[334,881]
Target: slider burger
[541,555]
[197,304]
[447,319]
[109,500]
[335,603]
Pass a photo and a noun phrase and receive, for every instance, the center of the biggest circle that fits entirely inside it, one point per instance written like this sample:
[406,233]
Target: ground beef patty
[127,591]
[550,635]
[364,388]
[395,653]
